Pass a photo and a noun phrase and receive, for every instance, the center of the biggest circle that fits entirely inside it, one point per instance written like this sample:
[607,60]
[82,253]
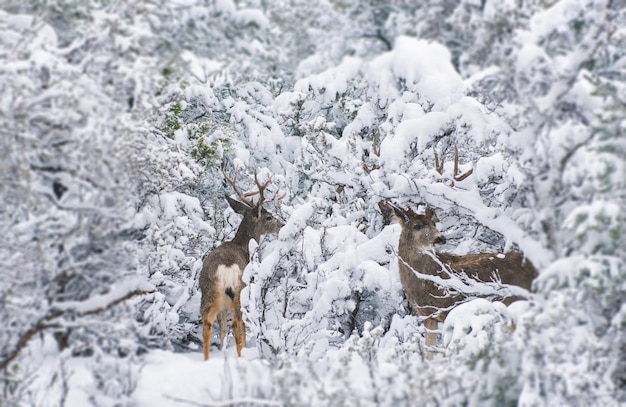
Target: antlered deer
[426,275]
[220,279]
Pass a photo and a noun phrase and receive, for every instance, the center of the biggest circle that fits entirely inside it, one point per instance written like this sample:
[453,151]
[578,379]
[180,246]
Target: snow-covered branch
[465,284]
[99,303]
[235,402]
[471,201]
[94,305]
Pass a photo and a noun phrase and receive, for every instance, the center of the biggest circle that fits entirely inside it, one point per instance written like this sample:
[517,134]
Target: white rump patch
[228,277]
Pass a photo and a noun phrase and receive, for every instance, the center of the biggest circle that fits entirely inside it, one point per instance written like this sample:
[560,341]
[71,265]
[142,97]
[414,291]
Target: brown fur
[216,302]
[427,298]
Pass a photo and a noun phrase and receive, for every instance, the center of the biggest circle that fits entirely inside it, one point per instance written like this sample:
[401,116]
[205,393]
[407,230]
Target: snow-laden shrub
[316,287]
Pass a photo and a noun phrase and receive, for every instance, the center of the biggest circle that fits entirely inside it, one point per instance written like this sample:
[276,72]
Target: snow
[529,55]
[365,118]
[487,167]
[426,68]
[331,83]
[201,68]
[252,16]
[118,291]
[345,105]
[185,378]
[467,327]
[591,216]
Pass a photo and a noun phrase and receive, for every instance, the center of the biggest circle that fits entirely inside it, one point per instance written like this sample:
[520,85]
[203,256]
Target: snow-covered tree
[69,191]
[118,117]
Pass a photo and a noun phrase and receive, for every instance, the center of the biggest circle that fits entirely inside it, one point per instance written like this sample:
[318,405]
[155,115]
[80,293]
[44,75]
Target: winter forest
[117,118]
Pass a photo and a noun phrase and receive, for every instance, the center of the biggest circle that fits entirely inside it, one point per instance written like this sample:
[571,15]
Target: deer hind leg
[239,329]
[207,320]
[431,326]
[222,322]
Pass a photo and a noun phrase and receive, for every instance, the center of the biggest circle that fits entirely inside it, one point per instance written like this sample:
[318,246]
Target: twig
[233,402]
[44,322]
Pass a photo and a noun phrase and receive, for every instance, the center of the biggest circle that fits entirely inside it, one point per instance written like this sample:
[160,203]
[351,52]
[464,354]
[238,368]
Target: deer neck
[242,239]
[420,258]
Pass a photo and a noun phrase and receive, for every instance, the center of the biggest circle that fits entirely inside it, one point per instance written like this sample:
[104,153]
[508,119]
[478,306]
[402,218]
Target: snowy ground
[376,368]
[169,379]
[159,378]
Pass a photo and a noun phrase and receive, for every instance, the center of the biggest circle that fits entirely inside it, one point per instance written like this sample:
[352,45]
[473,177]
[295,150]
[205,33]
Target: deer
[427,276]
[220,279]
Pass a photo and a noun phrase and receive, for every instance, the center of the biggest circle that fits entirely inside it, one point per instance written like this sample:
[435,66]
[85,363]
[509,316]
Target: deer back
[221,273]
[509,268]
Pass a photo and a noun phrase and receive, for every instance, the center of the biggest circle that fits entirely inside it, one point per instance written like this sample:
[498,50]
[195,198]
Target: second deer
[220,278]
[426,276]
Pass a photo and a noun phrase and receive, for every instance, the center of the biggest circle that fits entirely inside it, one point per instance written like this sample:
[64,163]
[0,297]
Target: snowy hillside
[118,117]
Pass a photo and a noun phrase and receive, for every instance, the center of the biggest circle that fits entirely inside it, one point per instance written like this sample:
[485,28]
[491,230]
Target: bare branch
[40,326]
[234,402]
[55,312]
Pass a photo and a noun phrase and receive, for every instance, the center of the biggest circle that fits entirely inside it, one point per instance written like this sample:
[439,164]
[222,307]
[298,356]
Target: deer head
[419,231]
[257,221]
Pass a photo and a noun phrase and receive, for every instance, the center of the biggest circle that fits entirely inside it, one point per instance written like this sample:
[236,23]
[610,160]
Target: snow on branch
[465,284]
[99,303]
[234,402]
[491,218]
[94,305]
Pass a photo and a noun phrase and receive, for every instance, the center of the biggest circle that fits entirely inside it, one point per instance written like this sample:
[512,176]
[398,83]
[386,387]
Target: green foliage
[598,228]
[208,146]
[11,380]
[172,121]
[207,143]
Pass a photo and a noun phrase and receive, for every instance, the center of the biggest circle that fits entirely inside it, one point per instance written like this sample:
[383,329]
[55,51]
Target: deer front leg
[431,326]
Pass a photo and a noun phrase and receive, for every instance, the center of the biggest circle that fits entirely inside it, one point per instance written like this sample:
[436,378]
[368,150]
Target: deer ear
[386,210]
[391,213]
[430,214]
[399,216]
[239,207]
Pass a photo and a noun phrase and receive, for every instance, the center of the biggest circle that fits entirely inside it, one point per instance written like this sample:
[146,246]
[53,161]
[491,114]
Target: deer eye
[417,227]
[268,218]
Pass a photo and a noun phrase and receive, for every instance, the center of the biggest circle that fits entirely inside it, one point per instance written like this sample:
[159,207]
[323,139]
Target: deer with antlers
[435,282]
[220,278]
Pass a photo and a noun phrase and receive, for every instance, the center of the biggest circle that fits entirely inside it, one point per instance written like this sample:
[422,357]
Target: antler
[456,177]
[376,151]
[438,165]
[261,188]
[245,195]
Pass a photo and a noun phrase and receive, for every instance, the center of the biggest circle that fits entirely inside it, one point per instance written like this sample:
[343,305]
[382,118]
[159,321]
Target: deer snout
[440,240]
